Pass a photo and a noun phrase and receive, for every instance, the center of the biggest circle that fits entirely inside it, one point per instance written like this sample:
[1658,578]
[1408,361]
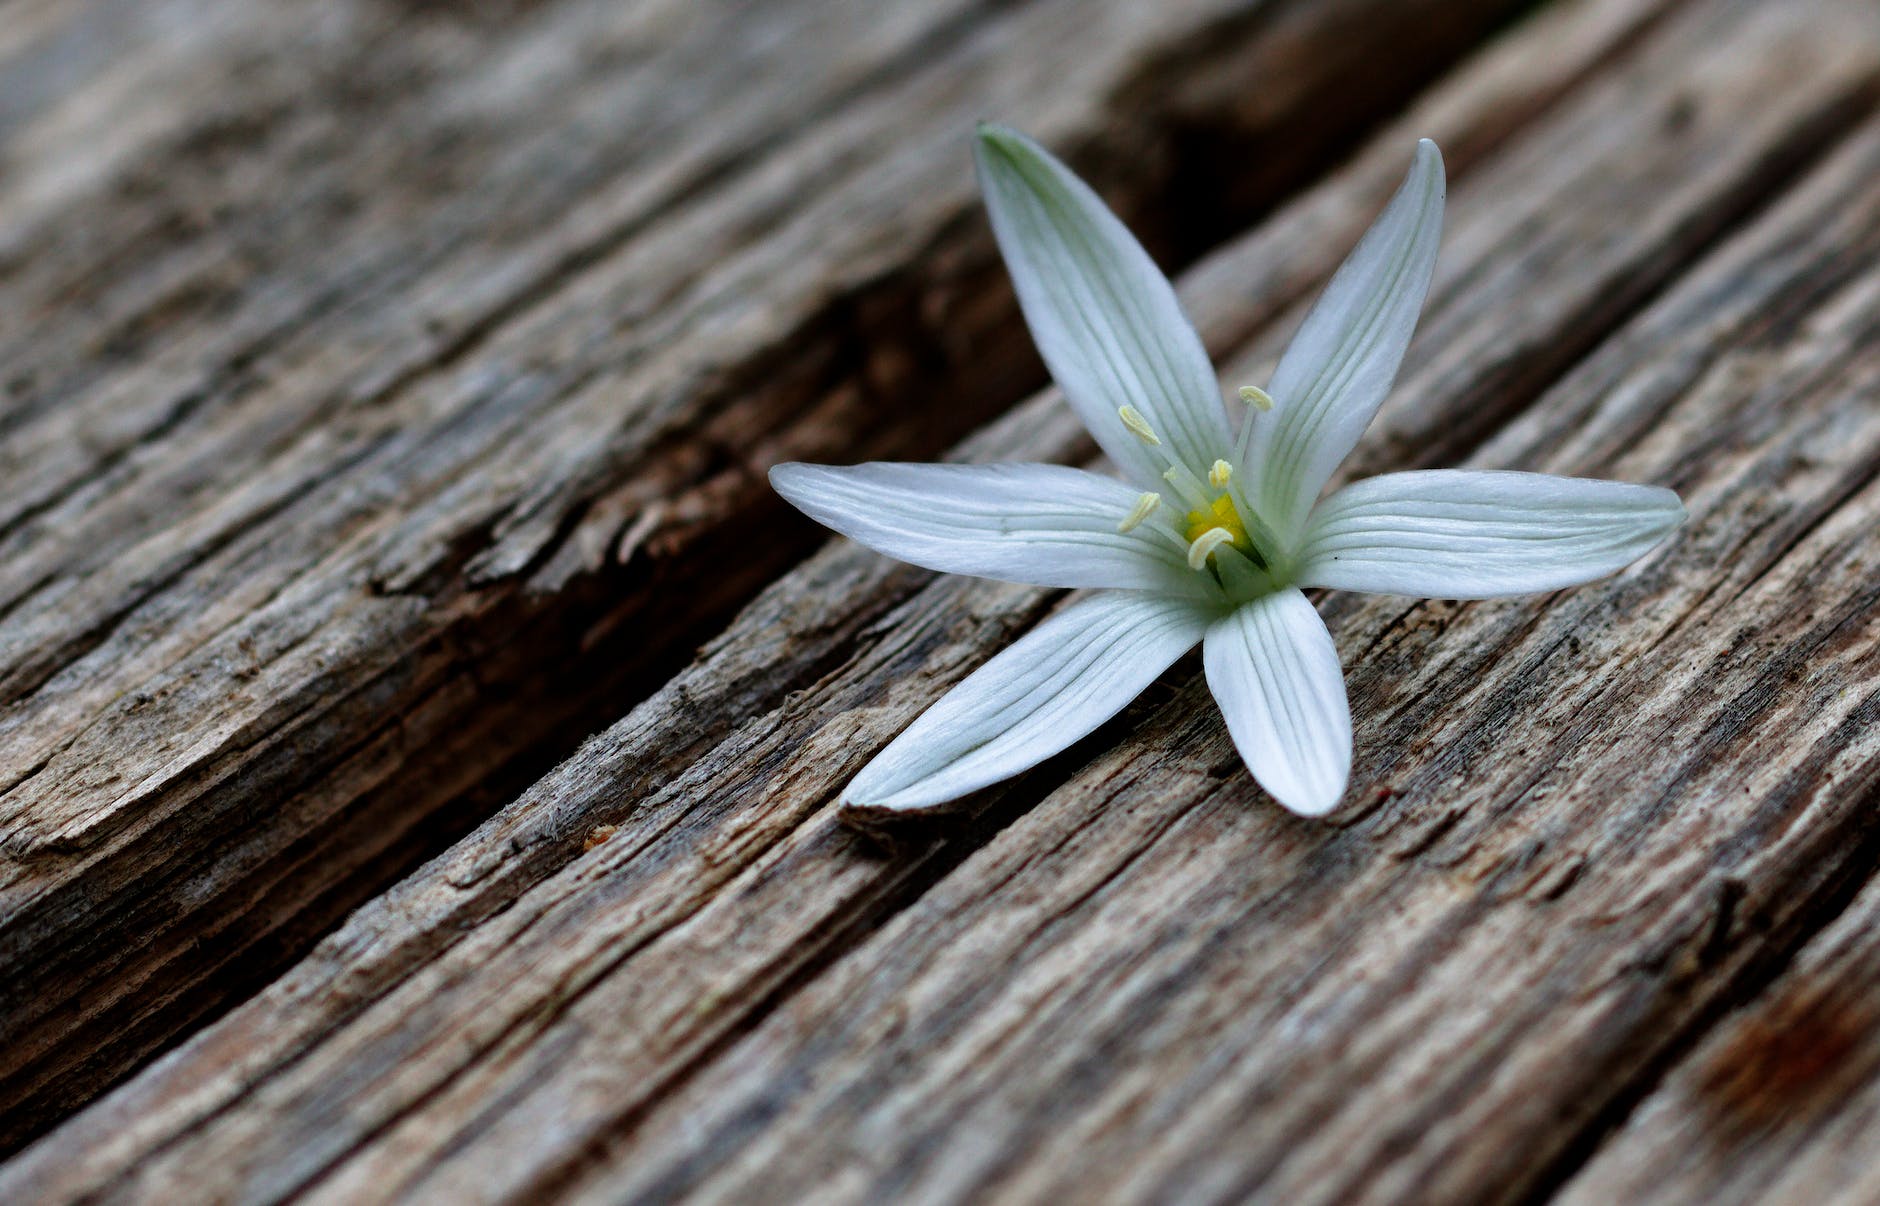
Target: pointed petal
[1274,671]
[1104,317]
[1033,700]
[1461,534]
[1045,525]
[1345,355]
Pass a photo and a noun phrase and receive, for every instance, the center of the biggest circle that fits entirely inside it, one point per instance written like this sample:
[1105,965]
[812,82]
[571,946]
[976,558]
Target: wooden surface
[400,432]
[387,398]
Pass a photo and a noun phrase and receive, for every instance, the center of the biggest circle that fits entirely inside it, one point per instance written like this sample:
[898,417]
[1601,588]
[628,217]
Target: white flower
[1212,537]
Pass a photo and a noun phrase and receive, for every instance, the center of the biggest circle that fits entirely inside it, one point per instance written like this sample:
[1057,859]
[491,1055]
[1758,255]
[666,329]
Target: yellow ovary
[1221,515]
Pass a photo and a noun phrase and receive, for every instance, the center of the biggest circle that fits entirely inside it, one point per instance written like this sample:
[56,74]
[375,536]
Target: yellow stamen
[1132,419]
[1205,544]
[1256,397]
[1145,507]
[1220,475]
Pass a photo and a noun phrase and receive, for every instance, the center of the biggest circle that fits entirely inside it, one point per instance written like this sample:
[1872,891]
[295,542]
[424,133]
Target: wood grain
[1590,816]
[381,402]
[1778,1104]
[1101,976]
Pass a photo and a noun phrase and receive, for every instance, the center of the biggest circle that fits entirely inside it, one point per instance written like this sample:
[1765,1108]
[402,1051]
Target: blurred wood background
[420,724]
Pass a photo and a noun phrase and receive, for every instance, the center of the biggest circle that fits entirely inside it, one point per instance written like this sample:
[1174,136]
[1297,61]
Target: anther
[1132,419]
[1145,507]
[1256,397]
[1205,544]
[1219,476]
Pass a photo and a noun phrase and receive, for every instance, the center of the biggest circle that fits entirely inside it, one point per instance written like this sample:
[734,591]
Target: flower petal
[1342,361]
[1046,525]
[1461,534]
[1104,317]
[1057,683]
[1274,671]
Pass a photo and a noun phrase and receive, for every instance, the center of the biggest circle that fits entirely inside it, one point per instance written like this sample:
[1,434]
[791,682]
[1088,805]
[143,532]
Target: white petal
[1045,525]
[1057,683]
[1345,355]
[1104,317]
[1461,534]
[1274,671]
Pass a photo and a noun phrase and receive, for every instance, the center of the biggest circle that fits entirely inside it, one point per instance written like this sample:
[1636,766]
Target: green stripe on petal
[1274,672]
[1462,534]
[1104,317]
[1340,364]
[1056,684]
[1044,525]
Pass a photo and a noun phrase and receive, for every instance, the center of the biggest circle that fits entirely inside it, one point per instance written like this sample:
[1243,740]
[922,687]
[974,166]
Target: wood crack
[506,542]
[1597,809]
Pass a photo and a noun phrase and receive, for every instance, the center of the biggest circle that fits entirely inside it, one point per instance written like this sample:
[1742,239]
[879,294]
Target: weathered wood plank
[1593,813]
[726,884]
[407,415]
[1779,1103]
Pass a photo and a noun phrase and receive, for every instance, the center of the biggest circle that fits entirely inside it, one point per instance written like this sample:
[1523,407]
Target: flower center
[1220,514]
[1218,538]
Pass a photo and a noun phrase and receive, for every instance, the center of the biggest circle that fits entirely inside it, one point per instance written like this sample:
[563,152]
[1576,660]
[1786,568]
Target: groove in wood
[406,428]
[1151,914]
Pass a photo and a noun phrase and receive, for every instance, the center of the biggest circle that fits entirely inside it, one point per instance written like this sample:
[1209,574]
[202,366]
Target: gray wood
[1146,977]
[381,382]
[1778,1104]
[1589,817]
